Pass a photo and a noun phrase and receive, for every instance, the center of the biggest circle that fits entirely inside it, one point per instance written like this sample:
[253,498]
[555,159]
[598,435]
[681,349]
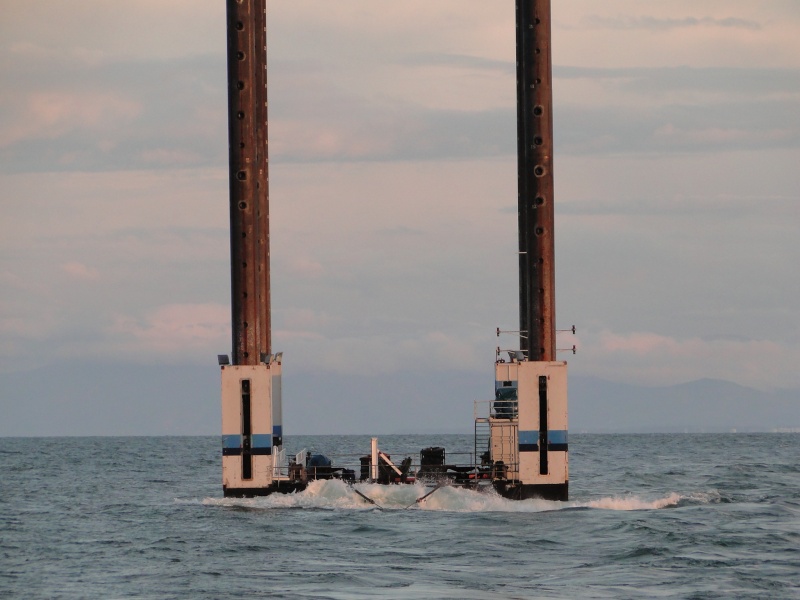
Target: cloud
[393,184]
[304,266]
[671,135]
[675,110]
[19,330]
[660,24]
[383,133]
[77,108]
[144,29]
[115,116]
[653,358]
[171,157]
[304,319]
[54,114]
[459,61]
[691,206]
[62,56]
[762,82]
[175,329]
[80,271]
[112,115]
[428,352]
[677,127]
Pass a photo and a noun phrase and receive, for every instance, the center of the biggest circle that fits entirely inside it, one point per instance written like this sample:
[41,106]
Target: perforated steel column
[535,180]
[249,179]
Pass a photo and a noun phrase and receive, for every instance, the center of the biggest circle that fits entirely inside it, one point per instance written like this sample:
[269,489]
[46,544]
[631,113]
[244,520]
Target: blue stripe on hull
[556,440]
[260,444]
[528,441]
[231,441]
[261,440]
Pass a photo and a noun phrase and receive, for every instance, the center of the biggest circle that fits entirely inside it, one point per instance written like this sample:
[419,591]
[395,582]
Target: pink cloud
[638,343]
[78,270]
[179,327]
[48,115]
[303,265]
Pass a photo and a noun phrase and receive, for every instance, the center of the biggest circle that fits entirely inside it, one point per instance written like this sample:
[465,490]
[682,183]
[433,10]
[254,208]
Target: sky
[393,186]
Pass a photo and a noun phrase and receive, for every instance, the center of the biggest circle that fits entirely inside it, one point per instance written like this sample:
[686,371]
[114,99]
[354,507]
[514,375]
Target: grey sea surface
[660,515]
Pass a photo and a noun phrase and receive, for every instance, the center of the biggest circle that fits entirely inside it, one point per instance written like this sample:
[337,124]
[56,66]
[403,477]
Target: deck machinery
[521,437]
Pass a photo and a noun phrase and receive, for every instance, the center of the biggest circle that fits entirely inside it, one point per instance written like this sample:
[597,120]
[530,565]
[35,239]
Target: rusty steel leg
[249,181]
[535,179]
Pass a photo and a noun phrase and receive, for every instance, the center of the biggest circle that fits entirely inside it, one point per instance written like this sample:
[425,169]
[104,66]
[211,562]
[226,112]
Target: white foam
[336,495]
[632,502]
[324,494]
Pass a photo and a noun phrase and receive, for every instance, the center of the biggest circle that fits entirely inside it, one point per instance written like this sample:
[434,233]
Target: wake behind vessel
[521,448]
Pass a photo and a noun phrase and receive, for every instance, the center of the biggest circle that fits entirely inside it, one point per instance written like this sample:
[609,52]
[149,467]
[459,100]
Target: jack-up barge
[521,446]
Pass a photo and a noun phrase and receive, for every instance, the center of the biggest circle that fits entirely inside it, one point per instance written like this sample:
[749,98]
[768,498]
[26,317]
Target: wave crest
[633,502]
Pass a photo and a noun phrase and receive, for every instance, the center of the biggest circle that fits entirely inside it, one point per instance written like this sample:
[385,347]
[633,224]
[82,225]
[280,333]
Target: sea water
[667,516]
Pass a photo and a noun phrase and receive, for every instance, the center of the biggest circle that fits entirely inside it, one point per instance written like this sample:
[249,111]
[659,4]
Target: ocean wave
[633,502]
[671,500]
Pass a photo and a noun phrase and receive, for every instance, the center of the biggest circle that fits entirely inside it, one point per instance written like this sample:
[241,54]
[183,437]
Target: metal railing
[496,409]
[352,467]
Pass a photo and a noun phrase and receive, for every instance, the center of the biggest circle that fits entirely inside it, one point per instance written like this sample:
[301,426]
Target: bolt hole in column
[240,115]
[539,170]
[241,175]
[539,230]
[242,205]
[239,25]
[240,85]
[538,141]
[538,201]
[240,55]
[538,110]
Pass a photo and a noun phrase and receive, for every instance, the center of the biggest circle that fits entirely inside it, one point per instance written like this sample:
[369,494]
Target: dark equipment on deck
[431,462]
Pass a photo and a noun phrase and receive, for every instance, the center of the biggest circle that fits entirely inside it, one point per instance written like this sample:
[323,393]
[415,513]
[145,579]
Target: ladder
[483,437]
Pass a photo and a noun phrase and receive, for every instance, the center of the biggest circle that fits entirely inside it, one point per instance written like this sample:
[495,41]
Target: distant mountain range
[705,405]
[96,399]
